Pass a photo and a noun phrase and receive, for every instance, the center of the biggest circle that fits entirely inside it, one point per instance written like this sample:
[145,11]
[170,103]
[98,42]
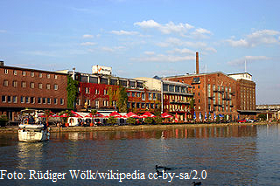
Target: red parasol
[131,114]
[76,114]
[115,114]
[166,115]
[93,116]
[148,114]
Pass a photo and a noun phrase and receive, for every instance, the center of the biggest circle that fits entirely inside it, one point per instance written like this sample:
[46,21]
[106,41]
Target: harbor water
[227,155]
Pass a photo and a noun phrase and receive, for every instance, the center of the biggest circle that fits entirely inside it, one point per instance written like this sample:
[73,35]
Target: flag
[205,115]
[214,116]
[200,116]
[209,115]
[194,117]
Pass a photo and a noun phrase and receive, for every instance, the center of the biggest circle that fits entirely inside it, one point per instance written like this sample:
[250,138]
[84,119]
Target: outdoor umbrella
[131,114]
[76,114]
[148,114]
[115,114]
[166,115]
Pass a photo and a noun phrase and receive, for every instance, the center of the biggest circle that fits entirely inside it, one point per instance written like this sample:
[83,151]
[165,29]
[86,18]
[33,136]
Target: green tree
[3,120]
[122,99]
[72,92]
[112,120]
[158,120]
[149,120]
[131,120]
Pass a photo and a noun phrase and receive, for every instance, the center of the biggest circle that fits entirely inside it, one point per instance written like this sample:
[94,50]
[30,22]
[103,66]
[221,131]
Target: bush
[131,120]
[112,120]
[3,120]
[158,120]
[149,120]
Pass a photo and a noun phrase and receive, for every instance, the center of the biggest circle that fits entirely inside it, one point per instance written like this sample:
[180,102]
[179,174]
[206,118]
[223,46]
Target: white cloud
[112,49]
[181,51]
[257,38]
[168,28]
[123,32]
[149,52]
[248,59]
[200,33]
[178,42]
[88,44]
[87,36]
[164,58]
[3,31]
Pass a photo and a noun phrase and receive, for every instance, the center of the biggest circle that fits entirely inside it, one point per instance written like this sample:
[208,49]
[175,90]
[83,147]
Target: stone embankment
[13,129]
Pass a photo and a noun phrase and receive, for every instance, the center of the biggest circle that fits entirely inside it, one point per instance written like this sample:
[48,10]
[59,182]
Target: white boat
[31,128]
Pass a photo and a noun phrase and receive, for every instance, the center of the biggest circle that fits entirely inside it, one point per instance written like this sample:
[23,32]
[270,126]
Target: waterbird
[196,183]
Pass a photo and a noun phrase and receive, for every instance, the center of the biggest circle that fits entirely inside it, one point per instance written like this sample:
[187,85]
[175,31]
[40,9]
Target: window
[55,101]
[87,90]
[39,100]
[23,73]
[6,71]
[6,83]
[40,75]
[48,86]
[14,83]
[128,94]
[4,99]
[49,100]
[150,96]
[61,101]
[14,99]
[55,76]
[32,85]
[133,94]
[15,72]
[97,104]
[143,96]
[40,86]
[154,96]
[48,76]
[27,100]
[32,74]
[32,100]
[44,100]
[22,99]
[138,94]
[23,84]
[9,99]
[55,87]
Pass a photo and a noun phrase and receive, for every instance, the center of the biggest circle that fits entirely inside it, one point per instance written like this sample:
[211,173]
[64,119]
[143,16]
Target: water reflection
[179,133]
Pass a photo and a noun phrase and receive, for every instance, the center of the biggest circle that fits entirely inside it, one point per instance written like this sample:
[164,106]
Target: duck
[196,183]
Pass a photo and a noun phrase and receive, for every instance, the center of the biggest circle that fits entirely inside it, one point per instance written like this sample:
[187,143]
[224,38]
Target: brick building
[96,91]
[176,99]
[22,88]
[214,94]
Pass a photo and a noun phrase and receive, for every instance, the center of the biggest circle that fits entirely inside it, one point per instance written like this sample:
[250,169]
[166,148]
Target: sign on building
[97,69]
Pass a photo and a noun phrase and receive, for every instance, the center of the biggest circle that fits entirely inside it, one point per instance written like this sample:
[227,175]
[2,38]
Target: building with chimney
[217,94]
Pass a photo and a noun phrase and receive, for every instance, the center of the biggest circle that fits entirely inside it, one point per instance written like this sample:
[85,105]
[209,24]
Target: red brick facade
[22,88]
[214,93]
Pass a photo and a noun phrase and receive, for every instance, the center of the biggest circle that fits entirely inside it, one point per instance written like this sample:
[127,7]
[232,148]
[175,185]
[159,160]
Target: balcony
[180,102]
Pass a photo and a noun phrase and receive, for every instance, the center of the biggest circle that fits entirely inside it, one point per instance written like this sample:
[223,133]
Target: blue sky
[146,37]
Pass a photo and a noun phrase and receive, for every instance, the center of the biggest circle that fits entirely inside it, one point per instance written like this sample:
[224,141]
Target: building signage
[97,69]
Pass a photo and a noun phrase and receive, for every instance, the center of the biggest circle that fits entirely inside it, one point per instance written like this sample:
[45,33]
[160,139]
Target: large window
[4,99]
[6,83]
[23,84]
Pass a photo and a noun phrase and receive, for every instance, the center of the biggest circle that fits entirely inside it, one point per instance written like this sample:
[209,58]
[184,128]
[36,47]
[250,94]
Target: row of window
[151,96]
[23,84]
[142,105]
[31,100]
[32,74]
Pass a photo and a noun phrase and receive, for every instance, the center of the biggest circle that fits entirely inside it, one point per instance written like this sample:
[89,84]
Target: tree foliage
[149,120]
[72,92]
[122,99]
[112,120]
[131,120]
[158,120]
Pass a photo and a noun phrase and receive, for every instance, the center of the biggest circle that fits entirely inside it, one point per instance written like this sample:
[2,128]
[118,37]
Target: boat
[32,128]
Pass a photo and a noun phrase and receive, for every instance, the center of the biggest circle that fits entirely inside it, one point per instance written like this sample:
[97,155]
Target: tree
[158,120]
[72,92]
[131,120]
[122,99]
[112,120]
[149,120]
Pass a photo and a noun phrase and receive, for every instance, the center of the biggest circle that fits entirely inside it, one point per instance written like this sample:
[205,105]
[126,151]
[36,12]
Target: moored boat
[32,128]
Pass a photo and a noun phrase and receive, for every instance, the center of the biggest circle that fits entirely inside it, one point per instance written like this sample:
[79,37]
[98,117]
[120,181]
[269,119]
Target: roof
[201,74]
[34,70]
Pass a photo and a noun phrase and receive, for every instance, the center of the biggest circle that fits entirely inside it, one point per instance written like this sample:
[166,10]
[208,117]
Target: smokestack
[197,63]
[1,63]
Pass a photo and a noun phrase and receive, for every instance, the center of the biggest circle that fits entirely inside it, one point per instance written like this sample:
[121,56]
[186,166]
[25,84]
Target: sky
[144,38]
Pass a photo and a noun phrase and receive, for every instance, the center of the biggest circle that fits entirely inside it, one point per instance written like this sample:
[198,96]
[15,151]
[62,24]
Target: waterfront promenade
[54,129]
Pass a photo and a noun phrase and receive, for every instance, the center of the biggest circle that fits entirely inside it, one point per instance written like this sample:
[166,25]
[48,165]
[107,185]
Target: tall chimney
[197,63]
